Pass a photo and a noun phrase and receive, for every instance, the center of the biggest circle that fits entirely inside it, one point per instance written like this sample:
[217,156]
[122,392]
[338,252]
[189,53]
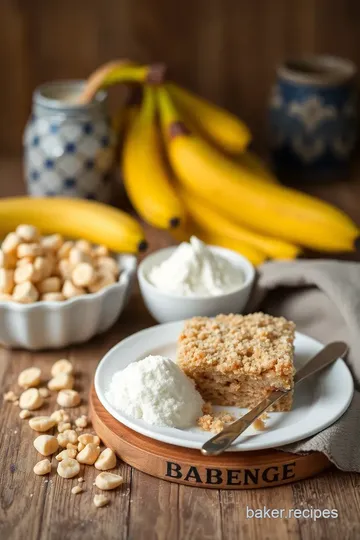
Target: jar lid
[320,70]
[62,95]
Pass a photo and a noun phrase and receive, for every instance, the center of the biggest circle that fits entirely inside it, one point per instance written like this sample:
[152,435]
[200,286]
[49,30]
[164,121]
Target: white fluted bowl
[53,325]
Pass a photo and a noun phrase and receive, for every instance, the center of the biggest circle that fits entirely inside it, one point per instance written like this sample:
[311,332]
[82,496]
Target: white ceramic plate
[318,401]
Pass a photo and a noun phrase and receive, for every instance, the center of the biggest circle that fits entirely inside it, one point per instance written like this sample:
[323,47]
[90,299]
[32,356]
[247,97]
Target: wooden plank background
[227,50]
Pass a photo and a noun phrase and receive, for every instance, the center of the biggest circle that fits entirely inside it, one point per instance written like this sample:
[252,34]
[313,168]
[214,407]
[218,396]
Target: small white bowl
[167,307]
[53,325]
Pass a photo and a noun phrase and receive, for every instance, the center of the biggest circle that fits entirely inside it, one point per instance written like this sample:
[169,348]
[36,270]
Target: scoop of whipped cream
[156,390]
[194,270]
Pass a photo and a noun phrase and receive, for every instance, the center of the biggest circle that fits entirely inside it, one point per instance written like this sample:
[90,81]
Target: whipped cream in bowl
[194,279]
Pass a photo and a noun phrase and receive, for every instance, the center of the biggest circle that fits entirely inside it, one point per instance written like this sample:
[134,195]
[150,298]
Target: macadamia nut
[68,398]
[41,423]
[29,377]
[30,400]
[106,460]
[107,481]
[61,381]
[42,467]
[62,366]
[89,454]
[68,468]
[46,444]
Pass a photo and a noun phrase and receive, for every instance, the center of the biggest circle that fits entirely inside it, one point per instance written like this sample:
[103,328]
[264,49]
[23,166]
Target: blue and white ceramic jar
[313,118]
[69,148]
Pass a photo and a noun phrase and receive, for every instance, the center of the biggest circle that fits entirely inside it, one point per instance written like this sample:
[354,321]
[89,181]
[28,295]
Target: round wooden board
[232,470]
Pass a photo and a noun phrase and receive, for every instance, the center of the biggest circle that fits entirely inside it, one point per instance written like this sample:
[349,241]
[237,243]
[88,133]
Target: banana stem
[171,122]
[148,108]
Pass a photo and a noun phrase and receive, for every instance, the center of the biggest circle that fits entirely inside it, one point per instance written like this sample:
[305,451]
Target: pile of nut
[34,267]
[76,448]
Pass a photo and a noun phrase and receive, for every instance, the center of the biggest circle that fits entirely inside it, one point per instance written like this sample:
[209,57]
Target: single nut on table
[67,436]
[41,423]
[89,454]
[42,467]
[77,489]
[27,233]
[68,398]
[76,256]
[70,290]
[87,438]
[10,243]
[50,284]
[61,381]
[83,275]
[29,250]
[10,396]
[67,453]
[82,421]
[64,250]
[68,468]
[30,399]
[101,500]
[8,260]
[106,460]
[25,293]
[29,377]
[62,366]
[108,264]
[6,280]
[103,279]
[107,481]
[84,246]
[52,297]
[46,444]
[60,416]
[63,426]
[52,242]
[24,414]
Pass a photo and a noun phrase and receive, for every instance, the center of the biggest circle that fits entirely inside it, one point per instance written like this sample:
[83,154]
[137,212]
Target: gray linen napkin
[323,298]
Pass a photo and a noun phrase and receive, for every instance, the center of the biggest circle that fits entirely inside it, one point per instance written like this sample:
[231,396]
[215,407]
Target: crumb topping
[251,344]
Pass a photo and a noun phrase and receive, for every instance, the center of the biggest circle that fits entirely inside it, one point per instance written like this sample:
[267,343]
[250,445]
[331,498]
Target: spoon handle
[220,442]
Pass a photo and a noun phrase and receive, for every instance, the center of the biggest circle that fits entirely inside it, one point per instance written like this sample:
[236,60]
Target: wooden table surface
[33,507]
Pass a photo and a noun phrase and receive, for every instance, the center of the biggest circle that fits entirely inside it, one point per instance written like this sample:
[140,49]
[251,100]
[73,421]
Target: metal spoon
[220,442]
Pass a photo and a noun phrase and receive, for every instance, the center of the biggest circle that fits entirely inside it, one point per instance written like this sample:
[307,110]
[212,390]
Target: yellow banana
[215,223]
[75,218]
[238,193]
[251,161]
[219,125]
[146,179]
[118,71]
[183,233]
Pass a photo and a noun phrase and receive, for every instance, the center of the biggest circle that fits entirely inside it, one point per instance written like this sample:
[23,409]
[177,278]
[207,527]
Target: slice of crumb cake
[239,359]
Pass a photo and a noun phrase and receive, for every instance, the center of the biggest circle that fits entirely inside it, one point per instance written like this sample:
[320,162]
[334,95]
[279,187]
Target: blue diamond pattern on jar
[36,140]
[34,175]
[70,148]
[53,128]
[49,163]
[88,128]
[69,182]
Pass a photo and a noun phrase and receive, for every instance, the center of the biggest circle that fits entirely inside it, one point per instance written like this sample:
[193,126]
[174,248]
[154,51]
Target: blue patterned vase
[313,118]
[68,148]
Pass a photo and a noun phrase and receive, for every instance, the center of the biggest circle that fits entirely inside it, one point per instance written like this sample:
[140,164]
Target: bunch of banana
[193,174]
[76,218]
[146,179]
[239,193]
